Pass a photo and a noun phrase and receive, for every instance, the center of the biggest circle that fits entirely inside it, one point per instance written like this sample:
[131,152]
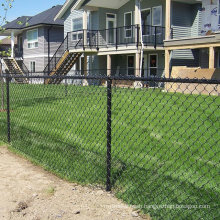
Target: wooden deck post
[109,65]
[211,57]
[85,28]
[12,44]
[85,69]
[168,22]
[167,63]
[137,64]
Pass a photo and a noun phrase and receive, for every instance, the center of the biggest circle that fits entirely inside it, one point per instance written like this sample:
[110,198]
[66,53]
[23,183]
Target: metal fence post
[8,108]
[109,133]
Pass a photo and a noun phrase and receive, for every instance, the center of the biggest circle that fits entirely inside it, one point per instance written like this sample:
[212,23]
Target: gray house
[127,37]
[38,38]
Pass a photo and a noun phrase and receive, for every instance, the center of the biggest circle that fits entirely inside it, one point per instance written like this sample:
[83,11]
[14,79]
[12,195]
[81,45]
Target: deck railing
[117,37]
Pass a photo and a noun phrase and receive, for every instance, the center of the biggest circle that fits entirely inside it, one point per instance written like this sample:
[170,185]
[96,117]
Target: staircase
[61,63]
[18,68]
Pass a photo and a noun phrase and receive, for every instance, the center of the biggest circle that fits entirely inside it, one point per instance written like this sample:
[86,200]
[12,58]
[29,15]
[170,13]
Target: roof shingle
[45,17]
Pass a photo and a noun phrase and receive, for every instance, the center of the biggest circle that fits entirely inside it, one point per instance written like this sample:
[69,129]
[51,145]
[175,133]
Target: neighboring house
[196,44]
[38,38]
[5,45]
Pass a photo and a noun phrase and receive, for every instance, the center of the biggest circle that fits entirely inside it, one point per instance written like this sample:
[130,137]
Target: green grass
[165,146]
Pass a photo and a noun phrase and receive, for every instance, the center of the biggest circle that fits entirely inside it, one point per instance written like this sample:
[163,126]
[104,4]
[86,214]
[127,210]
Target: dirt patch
[28,192]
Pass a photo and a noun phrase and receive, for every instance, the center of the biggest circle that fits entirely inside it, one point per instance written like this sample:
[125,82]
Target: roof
[66,6]
[45,17]
[7,41]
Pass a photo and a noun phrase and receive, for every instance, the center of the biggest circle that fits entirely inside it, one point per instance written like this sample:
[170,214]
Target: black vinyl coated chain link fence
[154,142]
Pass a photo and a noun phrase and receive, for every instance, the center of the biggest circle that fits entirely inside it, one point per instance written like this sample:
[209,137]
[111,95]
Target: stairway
[15,68]
[63,66]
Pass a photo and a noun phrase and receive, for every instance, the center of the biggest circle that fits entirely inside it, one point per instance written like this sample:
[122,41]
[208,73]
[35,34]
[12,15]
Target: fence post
[8,108]
[109,135]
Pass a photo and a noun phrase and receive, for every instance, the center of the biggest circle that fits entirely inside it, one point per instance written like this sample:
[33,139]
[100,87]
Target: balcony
[149,36]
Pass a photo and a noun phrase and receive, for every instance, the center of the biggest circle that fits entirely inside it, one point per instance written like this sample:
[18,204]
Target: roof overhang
[63,10]
[112,4]
[9,31]
[16,31]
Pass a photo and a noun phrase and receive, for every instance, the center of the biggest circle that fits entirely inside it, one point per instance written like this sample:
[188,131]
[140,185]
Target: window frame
[127,28]
[161,16]
[33,42]
[130,67]
[218,12]
[30,66]
[147,9]
[153,54]
[76,33]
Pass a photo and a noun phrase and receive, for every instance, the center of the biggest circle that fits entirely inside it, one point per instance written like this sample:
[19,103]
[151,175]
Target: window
[32,66]
[77,28]
[153,62]
[146,21]
[219,12]
[128,24]
[130,65]
[32,38]
[157,16]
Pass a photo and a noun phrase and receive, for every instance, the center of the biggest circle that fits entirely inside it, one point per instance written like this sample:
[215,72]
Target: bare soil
[29,192]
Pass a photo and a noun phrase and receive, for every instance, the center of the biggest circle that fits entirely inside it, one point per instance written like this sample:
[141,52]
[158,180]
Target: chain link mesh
[164,138]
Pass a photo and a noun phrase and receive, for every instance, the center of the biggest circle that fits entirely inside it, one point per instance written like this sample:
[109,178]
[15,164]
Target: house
[114,36]
[38,38]
[136,37]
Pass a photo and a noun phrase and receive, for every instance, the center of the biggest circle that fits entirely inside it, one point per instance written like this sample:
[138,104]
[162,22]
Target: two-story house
[115,37]
[38,38]
[127,37]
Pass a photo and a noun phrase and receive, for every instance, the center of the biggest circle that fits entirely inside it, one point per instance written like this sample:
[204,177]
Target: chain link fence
[154,142]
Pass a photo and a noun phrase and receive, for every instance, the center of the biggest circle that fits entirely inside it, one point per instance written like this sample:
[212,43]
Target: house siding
[186,22]
[56,38]
[39,63]
[40,54]
[68,17]
[34,51]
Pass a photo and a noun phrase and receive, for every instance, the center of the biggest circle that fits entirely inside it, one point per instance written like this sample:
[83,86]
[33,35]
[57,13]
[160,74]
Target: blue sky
[30,7]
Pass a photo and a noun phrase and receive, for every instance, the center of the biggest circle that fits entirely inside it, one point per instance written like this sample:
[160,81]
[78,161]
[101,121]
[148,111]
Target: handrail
[54,56]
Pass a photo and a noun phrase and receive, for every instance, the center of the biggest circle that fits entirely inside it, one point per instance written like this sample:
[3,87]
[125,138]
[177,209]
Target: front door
[111,28]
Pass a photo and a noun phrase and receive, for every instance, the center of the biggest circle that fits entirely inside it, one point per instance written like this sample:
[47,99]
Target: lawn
[165,146]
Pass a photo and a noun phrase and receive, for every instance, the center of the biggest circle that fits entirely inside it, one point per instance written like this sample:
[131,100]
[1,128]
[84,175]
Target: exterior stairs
[63,66]
[14,67]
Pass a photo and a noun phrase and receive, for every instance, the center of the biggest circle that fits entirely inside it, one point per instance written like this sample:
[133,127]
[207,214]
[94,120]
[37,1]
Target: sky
[29,7]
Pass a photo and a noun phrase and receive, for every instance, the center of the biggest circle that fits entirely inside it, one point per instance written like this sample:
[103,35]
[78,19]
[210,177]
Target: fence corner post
[8,109]
[109,133]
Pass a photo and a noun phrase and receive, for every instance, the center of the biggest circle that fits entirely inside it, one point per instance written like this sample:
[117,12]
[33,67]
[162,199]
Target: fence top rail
[130,78]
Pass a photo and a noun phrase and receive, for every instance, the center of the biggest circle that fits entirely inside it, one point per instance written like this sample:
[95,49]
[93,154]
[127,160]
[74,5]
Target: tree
[5,5]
